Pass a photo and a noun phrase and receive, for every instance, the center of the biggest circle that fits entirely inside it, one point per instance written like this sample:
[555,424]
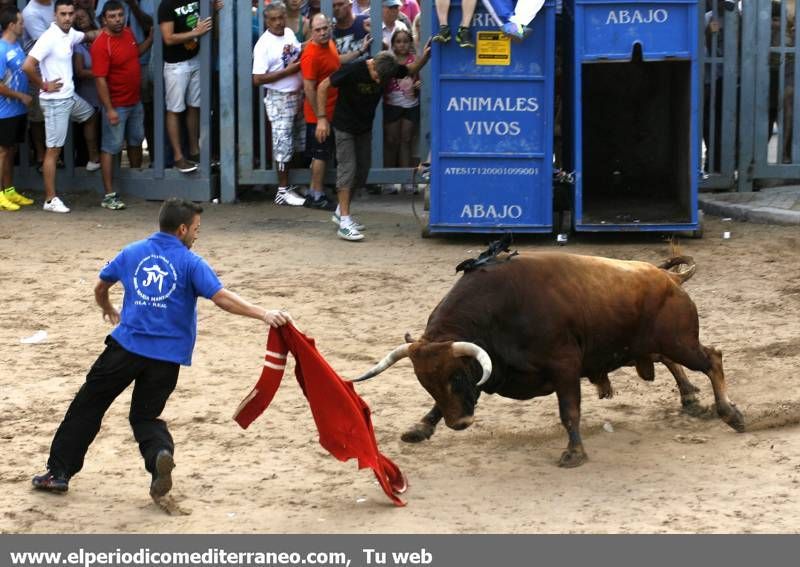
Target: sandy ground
[657,471]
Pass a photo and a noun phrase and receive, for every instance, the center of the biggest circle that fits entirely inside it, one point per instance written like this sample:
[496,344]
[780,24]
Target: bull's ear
[409,338]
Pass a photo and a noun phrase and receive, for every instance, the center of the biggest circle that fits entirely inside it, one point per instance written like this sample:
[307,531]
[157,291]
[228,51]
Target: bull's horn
[388,360]
[473,350]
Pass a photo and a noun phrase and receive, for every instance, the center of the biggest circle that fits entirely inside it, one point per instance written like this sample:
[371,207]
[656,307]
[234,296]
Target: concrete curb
[751,212]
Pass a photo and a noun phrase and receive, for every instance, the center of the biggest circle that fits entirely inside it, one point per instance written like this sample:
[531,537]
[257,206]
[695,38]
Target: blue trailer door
[633,138]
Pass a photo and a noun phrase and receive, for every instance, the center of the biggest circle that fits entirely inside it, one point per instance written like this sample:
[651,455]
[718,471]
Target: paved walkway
[775,205]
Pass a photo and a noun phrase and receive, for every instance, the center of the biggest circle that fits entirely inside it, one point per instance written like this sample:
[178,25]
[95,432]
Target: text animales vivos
[536,324]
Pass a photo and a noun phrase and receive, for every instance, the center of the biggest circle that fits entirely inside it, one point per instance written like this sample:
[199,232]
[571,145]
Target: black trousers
[112,372]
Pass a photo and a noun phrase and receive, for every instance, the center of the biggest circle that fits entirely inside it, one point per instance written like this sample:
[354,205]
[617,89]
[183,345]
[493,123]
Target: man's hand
[277,318]
[323,130]
[25,98]
[218,5]
[52,86]
[111,315]
[203,26]
[113,117]
[366,42]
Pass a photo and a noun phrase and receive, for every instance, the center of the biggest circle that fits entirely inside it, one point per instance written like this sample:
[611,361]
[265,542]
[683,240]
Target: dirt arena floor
[651,468]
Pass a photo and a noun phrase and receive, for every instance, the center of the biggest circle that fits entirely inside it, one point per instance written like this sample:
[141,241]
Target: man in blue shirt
[155,334]
[14,102]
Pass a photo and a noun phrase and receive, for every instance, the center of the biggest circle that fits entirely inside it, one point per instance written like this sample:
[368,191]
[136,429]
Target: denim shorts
[130,129]
[57,114]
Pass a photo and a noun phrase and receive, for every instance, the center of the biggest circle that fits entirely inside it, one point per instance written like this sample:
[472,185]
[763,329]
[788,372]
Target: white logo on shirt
[155,275]
[155,279]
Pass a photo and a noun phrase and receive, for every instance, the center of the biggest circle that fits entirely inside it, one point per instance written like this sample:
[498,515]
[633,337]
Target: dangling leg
[424,429]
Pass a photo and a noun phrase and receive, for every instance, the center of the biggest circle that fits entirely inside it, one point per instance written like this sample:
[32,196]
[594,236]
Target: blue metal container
[631,120]
[492,129]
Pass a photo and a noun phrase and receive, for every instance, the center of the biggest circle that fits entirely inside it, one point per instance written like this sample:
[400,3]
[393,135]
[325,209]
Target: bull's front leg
[424,429]
[569,408]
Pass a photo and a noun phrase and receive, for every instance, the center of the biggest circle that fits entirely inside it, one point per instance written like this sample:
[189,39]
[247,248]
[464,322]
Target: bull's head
[444,370]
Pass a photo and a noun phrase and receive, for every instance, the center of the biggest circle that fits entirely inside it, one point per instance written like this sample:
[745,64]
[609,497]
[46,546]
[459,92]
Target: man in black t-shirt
[351,33]
[361,85]
[181,28]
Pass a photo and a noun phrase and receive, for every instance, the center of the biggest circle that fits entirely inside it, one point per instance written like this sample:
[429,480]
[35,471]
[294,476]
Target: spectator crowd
[89,62]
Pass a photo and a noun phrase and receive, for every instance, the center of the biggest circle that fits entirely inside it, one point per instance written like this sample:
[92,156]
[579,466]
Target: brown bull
[537,323]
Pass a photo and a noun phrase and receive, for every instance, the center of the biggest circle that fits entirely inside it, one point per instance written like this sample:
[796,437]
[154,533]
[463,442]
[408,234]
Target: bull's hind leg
[569,408]
[725,408]
[424,429]
[603,385]
[689,400]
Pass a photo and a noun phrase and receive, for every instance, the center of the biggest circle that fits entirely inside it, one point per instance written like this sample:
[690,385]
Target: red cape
[342,417]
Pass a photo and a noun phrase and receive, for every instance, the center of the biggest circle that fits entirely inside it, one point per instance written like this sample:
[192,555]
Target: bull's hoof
[605,391]
[571,459]
[418,433]
[693,408]
[735,420]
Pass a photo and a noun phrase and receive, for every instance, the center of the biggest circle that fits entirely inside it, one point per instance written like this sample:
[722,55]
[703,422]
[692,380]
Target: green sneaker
[112,202]
[443,35]
[463,37]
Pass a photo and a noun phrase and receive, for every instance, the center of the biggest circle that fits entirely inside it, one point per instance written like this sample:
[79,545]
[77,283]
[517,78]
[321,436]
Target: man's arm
[144,20]
[148,41]
[110,314]
[105,99]
[30,68]
[90,36]
[323,128]
[310,90]
[172,38]
[353,55]
[264,78]
[415,67]
[232,303]
[11,94]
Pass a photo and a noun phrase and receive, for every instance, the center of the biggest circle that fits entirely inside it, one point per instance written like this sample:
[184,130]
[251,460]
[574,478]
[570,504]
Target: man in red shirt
[117,74]
[318,61]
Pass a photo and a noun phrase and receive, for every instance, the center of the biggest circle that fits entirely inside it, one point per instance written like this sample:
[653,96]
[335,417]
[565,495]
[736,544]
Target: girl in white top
[401,107]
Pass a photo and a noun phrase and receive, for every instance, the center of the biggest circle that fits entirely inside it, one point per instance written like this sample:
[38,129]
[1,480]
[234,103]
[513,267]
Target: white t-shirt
[274,53]
[387,32]
[53,51]
[37,19]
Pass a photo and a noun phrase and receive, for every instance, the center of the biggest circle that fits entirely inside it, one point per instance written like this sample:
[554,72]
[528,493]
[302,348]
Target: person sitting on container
[514,16]
[463,38]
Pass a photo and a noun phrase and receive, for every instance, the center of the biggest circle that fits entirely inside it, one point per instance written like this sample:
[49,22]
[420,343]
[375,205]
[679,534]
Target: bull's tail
[683,275]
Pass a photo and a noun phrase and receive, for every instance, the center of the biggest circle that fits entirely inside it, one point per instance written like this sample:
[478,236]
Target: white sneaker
[289,197]
[337,220]
[92,165]
[349,232]
[55,206]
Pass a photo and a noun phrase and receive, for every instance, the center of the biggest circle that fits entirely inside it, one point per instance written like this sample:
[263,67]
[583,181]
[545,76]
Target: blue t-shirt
[162,280]
[11,59]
